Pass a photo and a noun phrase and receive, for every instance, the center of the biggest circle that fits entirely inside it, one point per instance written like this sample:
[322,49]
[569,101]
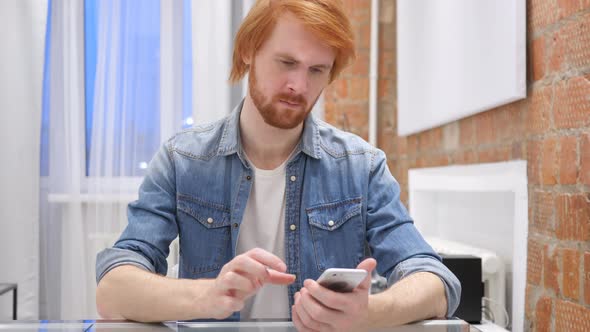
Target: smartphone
[342,280]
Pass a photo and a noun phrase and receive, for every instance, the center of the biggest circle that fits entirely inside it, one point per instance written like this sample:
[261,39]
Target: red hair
[324,18]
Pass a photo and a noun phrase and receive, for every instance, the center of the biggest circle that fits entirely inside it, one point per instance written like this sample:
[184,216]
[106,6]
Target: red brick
[330,113]
[359,89]
[465,157]
[549,162]
[351,117]
[340,88]
[585,159]
[360,67]
[386,140]
[467,134]
[538,58]
[572,103]
[413,144]
[538,113]
[403,171]
[387,37]
[568,160]
[358,11]
[571,273]
[517,152]
[436,160]
[569,7]
[543,314]
[540,13]
[577,36]
[557,52]
[587,277]
[508,120]
[356,114]
[571,317]
[387,64]
[534,161]
[530,302]
[484,127]
[421,162]
[430,139]
[363,36]
[551,269]
[402,146]
[573,217]
[543,217]
[361,131]
[385,89]
[495,154]
[534,262]
[393,165]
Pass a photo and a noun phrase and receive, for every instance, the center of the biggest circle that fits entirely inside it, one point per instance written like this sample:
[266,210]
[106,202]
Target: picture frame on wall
[457,58]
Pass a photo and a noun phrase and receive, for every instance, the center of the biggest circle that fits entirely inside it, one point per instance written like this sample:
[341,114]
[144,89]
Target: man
[268,198]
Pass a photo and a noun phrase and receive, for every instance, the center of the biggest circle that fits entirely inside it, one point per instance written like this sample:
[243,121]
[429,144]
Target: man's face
[289,73]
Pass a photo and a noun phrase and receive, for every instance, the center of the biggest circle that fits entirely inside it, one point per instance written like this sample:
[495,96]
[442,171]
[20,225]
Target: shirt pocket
[337,232]
[204,234]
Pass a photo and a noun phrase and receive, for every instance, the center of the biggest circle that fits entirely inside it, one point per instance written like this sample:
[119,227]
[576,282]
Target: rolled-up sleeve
[394,241]
[110,258]
[151,224]
[432,265]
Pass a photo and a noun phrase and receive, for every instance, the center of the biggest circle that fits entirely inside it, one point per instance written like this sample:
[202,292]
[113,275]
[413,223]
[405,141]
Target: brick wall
[550,129]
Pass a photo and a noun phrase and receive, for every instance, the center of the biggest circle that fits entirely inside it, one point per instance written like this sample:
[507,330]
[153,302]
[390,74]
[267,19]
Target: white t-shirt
[263,226]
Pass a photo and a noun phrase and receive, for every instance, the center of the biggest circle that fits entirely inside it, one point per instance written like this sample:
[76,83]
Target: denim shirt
[342,205]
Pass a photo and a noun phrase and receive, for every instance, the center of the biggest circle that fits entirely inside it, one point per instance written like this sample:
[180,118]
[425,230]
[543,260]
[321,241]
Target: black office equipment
[468,270]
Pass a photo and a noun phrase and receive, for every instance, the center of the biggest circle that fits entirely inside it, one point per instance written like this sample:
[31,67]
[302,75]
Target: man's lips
[290,103]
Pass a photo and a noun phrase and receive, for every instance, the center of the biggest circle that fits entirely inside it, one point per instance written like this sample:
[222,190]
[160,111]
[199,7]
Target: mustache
[293,99]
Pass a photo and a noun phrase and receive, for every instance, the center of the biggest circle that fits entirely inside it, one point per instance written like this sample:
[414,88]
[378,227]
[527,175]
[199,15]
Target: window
[122,56]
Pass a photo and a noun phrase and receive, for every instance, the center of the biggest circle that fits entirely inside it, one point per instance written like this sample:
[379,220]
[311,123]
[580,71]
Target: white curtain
[212,44]
[95,167]
[63,265]
[22,31]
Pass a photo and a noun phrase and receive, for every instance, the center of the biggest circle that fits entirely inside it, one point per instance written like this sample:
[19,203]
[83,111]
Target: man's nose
[298,81]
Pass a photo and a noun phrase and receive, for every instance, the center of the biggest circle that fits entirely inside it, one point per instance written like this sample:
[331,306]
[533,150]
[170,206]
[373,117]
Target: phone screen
[337,286]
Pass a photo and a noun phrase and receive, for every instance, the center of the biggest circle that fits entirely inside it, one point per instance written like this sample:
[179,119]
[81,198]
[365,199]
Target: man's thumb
[368,265]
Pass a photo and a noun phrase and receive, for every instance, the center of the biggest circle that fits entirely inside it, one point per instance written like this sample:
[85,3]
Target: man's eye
[287,63]
[316,71]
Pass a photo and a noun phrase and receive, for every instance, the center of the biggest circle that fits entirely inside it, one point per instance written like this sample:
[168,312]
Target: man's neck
[266,146]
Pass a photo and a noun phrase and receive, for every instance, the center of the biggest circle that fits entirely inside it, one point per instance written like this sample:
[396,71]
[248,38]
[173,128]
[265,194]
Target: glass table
[451,325]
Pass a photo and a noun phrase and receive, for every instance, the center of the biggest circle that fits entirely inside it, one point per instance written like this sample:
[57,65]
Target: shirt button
[331,223]
[248,177]
[209,220]
[236,225]
[293,178]
[293,227]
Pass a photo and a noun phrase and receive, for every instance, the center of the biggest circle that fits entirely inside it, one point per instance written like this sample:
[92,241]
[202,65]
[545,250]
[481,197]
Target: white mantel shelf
[481,205]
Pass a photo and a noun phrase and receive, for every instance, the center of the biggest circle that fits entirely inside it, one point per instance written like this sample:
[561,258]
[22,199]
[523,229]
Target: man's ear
[247,59]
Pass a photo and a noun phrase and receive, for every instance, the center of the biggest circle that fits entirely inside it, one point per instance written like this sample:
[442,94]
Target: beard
[273,111]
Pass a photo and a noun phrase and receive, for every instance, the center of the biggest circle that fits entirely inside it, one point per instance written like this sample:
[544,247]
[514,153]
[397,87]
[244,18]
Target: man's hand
[320,309]
[241,278]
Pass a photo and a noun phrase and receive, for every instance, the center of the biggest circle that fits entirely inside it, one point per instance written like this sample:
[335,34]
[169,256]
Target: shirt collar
[230,141]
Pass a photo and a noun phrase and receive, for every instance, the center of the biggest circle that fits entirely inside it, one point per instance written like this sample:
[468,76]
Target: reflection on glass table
[452,325]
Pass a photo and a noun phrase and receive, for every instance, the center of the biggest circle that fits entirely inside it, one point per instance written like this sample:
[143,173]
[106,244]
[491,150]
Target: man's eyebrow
[290,58]
[322,66]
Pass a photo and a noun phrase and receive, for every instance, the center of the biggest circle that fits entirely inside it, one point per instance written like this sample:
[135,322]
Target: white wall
[22,32]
